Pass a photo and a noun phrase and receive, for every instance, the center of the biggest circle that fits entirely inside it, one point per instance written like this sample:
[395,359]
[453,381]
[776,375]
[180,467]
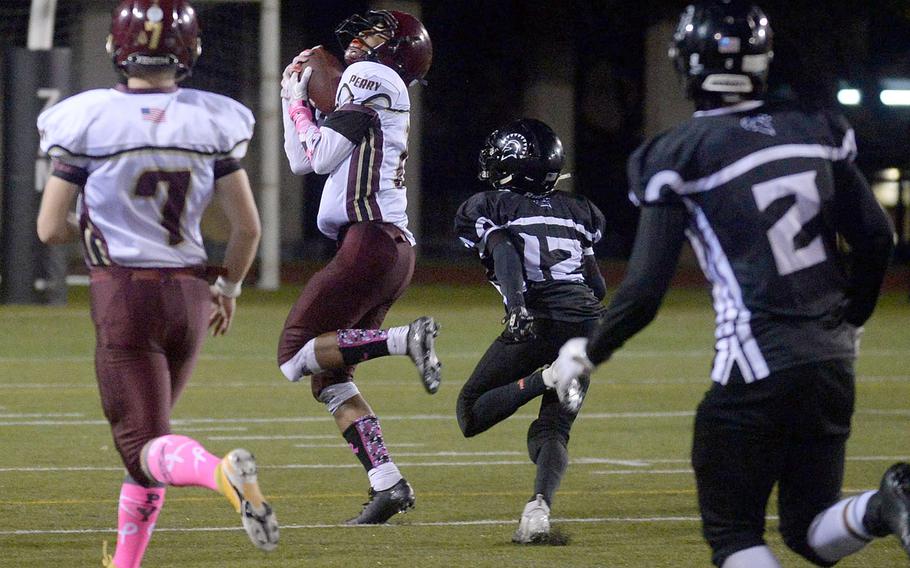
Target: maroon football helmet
[406,47]
[154,33]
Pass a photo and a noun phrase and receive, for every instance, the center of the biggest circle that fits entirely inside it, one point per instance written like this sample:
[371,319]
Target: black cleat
[895,502]
[384,504]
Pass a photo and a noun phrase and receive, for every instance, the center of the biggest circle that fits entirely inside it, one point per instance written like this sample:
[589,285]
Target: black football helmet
[525,156]
[722,49]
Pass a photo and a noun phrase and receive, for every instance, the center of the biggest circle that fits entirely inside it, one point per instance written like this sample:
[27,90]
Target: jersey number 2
[782,235]
[175,185]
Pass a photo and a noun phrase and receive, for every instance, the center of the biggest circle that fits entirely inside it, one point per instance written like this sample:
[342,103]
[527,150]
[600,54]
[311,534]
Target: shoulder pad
[233,120]
[62,126]
[372,84]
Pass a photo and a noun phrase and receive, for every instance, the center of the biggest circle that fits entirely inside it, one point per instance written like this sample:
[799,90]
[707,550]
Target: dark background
[481,68]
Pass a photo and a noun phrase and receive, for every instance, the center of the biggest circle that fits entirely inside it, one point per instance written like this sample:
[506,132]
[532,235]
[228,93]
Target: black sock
[497,404]
[552,460]
[872,519]
[359,345]
[364,437]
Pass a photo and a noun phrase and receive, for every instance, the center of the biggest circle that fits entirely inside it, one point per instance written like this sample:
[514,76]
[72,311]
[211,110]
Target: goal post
[268,137]
[35,77]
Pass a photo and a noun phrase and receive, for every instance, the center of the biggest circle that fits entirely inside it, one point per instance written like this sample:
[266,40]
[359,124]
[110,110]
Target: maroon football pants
[371,269]
[149,327]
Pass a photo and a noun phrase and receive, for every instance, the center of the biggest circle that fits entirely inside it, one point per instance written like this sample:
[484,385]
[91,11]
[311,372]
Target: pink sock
[138,511]
[179,460]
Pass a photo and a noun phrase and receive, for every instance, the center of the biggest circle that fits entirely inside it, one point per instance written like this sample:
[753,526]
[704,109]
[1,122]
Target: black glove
[519,325]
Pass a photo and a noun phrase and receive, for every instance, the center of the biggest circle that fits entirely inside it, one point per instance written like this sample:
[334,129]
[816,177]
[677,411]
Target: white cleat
[534,525]
[422,334]
[238,481]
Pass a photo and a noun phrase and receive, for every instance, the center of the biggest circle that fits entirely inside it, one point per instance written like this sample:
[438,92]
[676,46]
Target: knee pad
[333,396]
[325,379]
[302,363]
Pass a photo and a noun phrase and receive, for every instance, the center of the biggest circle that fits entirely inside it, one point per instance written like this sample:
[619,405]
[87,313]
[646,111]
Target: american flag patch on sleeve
[153,114]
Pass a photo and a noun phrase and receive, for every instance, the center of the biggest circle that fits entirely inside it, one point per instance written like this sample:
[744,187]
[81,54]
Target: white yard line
[180,422]
[279,382]
[215,429]
[589,520]
[292,437]
[342,446]
[642,463]
[48,415]
[622,354]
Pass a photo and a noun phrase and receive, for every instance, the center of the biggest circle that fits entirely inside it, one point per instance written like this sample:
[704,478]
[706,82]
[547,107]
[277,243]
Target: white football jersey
[149,160]
[363,147]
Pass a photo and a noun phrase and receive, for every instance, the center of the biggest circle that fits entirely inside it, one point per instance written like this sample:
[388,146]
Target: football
[324,81]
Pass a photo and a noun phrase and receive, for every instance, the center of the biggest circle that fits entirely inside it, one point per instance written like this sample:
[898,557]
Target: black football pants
[788,429]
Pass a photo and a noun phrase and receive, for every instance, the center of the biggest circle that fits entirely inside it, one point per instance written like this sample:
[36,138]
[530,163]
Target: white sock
[755,557]
[384,476]
[549,377]
[838,531]
[303,363]
[398,340]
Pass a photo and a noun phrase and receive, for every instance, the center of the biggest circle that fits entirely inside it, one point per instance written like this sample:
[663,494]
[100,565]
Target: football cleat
[534,525]
[384,504]
[237,480]
[895,502]
[422,334]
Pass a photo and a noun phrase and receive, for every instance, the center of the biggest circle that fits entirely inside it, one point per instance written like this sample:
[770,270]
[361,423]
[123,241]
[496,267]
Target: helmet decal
[514,146]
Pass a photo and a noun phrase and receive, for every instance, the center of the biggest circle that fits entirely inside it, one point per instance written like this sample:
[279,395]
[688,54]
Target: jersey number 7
[176,185]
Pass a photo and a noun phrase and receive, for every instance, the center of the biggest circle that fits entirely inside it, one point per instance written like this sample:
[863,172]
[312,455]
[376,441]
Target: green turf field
[628,498]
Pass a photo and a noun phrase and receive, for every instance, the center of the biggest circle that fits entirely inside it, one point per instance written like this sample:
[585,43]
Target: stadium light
[895,97]
[849,97]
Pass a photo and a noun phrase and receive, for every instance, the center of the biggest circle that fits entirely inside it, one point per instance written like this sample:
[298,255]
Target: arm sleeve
[868,231]
[67,172]
[297,158]
[507,267]
[334,141]
[475,221]
[658,242]
[593,278]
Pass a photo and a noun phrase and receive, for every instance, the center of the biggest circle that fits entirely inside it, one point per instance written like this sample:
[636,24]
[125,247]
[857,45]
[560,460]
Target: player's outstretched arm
[56,225]
[658,242]
[235,197]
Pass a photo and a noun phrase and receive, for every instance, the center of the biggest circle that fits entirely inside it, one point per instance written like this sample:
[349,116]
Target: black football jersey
[758,184]
[553,233]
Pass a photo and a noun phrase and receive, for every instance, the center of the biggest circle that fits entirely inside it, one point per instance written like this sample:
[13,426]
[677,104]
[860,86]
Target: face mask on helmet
[153,35]
[723,49]
[395,39]
[524,156]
